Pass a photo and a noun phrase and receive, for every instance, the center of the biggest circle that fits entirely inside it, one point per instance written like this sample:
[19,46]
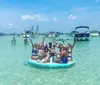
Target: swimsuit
[34,52]
[64,60]
[69,56]
[52,54]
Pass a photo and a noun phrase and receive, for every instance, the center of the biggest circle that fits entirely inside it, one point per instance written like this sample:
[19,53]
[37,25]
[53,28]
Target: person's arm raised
[43,39]
[55,43]
[75,39]
[32,43]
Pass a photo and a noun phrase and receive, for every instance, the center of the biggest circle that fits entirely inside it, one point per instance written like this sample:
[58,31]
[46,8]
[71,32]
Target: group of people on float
[43,52]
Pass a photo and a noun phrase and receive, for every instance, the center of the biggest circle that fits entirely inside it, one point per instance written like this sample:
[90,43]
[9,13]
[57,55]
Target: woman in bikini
[34,51]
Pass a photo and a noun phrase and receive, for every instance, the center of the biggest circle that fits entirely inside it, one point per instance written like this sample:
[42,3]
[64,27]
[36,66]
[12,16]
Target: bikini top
[69,51]
[34,51]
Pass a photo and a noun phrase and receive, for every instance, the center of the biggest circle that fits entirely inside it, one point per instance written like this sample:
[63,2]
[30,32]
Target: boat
[94,33]
[27,35]
[52,34]
[31,33]
[82,36]
[50,65]
[72,34]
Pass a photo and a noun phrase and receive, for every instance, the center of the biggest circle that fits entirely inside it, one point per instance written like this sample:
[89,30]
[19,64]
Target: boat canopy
[82,27]
[52,32]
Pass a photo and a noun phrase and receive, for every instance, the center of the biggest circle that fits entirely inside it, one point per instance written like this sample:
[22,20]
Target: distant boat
[31,33]
[94,33]
[27,35]
[51,34]
[73,33]
[82,36]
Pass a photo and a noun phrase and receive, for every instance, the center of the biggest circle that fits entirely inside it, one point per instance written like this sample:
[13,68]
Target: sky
[50,15]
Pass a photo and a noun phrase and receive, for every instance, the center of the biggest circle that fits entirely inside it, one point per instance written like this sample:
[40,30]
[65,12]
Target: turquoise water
[14,69]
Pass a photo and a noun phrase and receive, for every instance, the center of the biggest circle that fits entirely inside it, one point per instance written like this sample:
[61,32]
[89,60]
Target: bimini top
[82,27]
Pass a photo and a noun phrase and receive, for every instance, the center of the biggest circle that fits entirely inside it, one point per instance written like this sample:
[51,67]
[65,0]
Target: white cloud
[36,17]
[97,1]
[10,24]
[72,17]
[55,19]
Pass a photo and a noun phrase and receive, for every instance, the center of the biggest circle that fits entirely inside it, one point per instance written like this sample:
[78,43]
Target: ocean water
[14,69]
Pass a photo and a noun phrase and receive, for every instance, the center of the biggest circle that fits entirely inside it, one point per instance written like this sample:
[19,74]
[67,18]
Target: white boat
[82,36]
[33,36]
[51,35]
[94,34]
[28,36]
[31,33]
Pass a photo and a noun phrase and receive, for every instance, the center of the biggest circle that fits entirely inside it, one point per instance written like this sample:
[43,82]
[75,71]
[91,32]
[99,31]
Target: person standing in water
[25,40]
[13,41]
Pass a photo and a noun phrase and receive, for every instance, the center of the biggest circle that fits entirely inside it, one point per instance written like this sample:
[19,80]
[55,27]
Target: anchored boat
[94,33]
[82,36]
[31,33]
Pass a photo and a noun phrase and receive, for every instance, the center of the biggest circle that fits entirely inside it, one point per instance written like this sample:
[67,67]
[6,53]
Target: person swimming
[25,40]
[13,41]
